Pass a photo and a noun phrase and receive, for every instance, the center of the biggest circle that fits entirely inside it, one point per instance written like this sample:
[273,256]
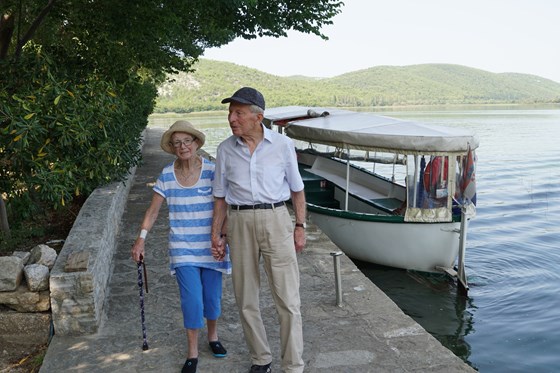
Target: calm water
[510,321]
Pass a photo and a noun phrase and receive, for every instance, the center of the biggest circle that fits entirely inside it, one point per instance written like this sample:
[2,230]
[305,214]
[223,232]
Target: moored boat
[384,190]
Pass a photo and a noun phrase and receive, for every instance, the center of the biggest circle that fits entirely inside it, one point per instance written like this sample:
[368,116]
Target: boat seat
[317,191]
[390,204]
[357,189]
[308,176]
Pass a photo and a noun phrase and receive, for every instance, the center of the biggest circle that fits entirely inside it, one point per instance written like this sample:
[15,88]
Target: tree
[79,79]
[162,35]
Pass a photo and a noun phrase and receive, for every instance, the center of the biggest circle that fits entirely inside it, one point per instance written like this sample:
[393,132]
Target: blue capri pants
[201,295]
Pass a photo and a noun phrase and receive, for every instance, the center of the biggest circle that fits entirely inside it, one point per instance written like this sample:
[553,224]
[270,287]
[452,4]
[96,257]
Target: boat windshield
[437,184]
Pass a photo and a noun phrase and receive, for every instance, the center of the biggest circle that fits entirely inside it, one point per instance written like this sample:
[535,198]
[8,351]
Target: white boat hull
[426,247]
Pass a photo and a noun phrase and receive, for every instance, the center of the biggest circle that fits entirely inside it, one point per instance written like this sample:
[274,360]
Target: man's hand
[299,239]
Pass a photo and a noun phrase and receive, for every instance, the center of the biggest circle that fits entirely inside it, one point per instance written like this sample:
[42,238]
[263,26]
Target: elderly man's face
[242,120]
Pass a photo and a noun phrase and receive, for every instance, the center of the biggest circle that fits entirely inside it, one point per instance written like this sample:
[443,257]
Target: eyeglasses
[186,142]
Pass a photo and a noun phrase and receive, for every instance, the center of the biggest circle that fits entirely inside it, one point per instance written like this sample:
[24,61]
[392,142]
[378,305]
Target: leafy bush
[64,131]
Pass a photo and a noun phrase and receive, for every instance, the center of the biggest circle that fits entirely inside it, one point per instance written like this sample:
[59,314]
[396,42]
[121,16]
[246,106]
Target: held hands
[219,248]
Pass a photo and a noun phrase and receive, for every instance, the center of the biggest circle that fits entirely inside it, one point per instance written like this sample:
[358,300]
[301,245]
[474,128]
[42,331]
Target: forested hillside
[427,84]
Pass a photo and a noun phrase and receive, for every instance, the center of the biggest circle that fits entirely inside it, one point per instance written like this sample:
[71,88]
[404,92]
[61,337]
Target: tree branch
[34,26]
[4,226]
[6,31]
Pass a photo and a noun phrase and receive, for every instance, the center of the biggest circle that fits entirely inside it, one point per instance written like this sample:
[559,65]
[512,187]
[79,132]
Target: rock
[11,272]
[37,277]
[23,300]
[24,255]
[77,261]
[24,328]
[43,254]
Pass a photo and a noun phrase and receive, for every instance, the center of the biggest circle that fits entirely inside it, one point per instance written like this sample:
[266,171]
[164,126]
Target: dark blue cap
[246,95]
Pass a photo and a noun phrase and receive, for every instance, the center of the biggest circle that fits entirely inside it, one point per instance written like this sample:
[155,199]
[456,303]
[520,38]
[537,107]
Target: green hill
[426,84]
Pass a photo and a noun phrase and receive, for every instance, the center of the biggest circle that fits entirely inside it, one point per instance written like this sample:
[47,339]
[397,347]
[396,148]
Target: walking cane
[142,265]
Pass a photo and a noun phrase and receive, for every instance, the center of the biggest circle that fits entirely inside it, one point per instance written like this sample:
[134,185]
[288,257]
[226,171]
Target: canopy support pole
[415,185]
[347,177]
[394,163]
[461,274]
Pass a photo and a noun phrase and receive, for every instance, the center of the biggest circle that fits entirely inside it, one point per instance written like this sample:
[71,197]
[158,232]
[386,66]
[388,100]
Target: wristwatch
[301,225]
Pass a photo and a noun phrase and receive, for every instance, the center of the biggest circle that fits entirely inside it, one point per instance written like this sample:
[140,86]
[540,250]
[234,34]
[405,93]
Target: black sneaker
[260,368]
[190,366]
[218,349]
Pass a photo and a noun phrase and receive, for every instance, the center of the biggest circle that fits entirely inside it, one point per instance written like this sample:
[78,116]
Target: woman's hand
[137,251]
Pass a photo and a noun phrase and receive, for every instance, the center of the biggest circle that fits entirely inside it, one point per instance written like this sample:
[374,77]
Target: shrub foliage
[79,79]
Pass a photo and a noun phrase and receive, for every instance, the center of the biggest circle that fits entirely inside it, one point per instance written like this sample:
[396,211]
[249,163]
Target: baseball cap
[247,95]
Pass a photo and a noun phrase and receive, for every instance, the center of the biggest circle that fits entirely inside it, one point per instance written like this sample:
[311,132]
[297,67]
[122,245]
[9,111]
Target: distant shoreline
[382,108]
[377,88]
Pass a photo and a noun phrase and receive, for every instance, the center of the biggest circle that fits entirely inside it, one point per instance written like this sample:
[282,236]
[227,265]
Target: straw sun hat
[181,126]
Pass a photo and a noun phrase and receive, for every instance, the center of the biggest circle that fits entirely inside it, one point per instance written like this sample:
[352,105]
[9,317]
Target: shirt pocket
[205,191]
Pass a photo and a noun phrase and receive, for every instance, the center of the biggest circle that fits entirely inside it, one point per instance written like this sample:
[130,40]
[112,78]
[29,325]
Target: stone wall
[77,290]
[24,298]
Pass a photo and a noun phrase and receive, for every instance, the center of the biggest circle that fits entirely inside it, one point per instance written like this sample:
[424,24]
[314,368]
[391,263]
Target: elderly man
[256,173]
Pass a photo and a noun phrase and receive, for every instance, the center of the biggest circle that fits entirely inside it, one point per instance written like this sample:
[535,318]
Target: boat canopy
[368,131]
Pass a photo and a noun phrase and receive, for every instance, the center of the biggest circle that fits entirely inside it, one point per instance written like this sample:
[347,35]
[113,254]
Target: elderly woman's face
[184,145]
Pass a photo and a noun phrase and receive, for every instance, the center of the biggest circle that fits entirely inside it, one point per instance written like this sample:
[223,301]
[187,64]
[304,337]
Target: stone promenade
[367,333]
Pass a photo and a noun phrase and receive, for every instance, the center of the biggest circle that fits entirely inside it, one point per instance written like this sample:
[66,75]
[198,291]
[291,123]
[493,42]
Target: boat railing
[395,159]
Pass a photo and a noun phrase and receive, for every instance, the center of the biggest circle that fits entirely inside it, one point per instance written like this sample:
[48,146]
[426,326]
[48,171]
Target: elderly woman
[186,186]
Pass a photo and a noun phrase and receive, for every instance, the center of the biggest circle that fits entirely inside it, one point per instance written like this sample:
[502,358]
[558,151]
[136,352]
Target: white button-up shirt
[266,176]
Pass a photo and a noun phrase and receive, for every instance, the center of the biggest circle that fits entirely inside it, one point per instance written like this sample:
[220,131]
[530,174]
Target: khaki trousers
[267,233]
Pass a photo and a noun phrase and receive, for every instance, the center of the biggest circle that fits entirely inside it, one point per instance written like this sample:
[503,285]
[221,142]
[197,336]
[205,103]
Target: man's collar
[267,135]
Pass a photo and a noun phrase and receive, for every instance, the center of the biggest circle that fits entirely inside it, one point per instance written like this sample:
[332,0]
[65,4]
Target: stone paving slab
[367,333]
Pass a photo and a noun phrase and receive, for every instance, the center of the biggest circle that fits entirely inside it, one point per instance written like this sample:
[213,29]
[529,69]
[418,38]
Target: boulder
[11,272]
[37,277]
[24,255]
[43,254]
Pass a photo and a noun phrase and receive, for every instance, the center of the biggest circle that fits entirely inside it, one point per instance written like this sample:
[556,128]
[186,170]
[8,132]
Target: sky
[521,36]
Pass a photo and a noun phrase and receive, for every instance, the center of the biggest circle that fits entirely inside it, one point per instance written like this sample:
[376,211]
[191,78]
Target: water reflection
[432,300]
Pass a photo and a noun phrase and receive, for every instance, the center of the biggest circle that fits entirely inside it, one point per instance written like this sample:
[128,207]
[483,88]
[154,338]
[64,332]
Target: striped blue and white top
[190,219]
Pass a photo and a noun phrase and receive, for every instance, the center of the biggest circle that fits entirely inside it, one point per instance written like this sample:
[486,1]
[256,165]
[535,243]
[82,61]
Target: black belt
[265,206]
